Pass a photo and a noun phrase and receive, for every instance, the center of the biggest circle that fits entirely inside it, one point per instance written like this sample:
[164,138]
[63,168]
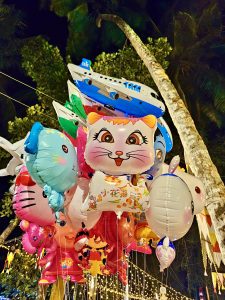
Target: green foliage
[20,279]
[46,68]
[194,63]
[126,63]
[20,126]
[62,7]
[49,72]
[85,39]
[10,24]
[82,32]
[6,205]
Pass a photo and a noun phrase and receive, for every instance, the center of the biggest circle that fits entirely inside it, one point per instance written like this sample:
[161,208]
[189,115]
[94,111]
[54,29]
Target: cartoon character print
[64,261]
[36,238]
[118,234]
[29,201]
[117,195]
[118,146]
[97,251]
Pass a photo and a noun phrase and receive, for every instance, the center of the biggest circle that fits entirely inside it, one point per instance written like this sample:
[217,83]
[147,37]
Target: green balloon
[69,127]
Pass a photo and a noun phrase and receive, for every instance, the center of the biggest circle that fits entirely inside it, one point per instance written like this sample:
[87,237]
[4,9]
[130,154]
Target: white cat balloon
[119,145]
[116,193]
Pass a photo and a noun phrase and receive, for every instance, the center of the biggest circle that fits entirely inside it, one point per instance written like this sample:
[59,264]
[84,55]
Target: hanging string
[15,100]
[29,86]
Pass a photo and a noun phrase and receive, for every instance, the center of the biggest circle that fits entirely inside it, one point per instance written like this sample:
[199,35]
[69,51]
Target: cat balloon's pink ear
[93,117]
[149,120]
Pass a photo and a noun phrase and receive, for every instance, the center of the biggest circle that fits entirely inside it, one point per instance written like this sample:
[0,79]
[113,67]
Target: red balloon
[118,233]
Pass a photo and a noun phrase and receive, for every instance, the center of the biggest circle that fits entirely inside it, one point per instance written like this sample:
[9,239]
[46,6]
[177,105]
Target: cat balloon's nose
[119,153]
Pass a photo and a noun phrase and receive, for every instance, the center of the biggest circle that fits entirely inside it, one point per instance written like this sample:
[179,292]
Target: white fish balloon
[171,210]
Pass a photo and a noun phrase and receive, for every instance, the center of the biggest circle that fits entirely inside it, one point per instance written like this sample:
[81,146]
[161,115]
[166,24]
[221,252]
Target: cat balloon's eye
[128,219]
[65,148]
[133,139]
[35,238]
[44,195]
[136,138]
[105,137]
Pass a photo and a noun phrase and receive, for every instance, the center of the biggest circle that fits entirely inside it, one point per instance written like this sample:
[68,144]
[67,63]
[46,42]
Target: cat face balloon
[118,146]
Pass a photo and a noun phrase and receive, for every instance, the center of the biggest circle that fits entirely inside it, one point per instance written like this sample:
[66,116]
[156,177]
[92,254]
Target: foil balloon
[118,146]
[116,193]
[97,256]
[118,233]
[17,152]
[160,153]
[195,186]
[165,252]
[134,246]
[171,210]
[144,234]
[73,207]
[29,201]
[36,238]
[64,261]
[50,156]
[84,169]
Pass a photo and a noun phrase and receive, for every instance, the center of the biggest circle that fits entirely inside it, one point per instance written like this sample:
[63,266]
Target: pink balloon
[64,261]
[36,238]
[84,169]
[29,202]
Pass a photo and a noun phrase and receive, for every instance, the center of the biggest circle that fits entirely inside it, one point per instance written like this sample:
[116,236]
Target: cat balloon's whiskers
[133,152]
[138,155]
[106,154]
[133,156]
[99,152]
[104,149]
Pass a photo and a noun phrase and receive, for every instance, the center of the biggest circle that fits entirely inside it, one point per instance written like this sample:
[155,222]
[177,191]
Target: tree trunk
[194,147]
[12,225]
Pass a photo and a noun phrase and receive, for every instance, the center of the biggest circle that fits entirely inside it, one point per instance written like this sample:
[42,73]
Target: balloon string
[117,254]
[27,85]
[20,102]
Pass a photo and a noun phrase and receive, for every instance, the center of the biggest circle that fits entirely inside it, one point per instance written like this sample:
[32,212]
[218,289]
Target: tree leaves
[184,32]
[63,7]
[10,24]
[126,63]
[82,32]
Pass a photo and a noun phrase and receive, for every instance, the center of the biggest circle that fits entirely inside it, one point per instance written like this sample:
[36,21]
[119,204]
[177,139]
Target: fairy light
[142,286]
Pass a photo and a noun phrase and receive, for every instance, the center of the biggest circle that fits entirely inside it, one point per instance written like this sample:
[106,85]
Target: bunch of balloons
[92,193]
